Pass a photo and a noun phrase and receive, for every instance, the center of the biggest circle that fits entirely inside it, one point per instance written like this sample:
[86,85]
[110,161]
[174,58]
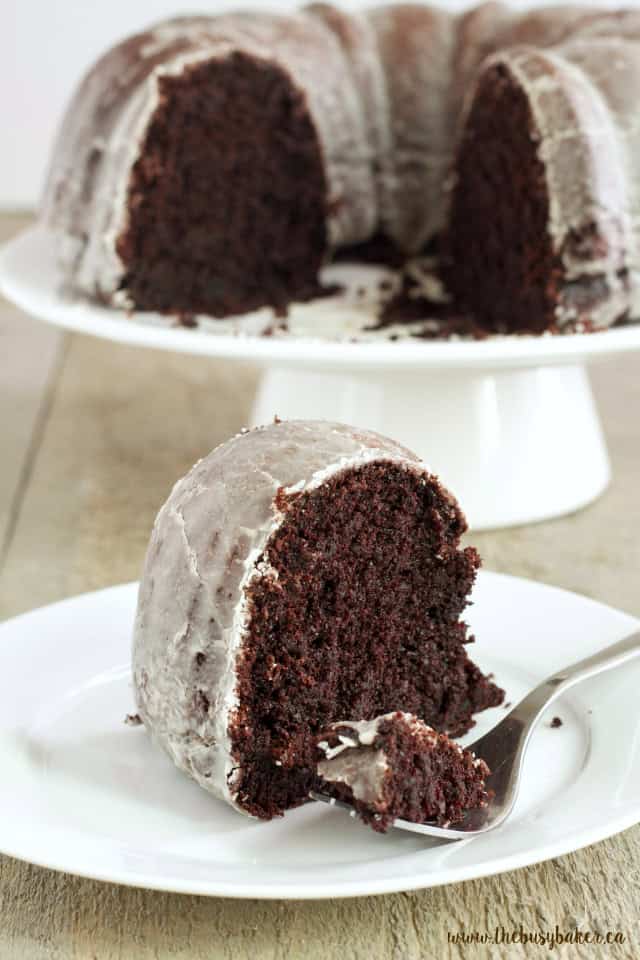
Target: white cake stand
[509,423]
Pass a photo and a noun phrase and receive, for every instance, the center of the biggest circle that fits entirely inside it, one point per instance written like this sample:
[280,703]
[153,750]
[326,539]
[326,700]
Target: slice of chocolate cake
[397,767]
[300,573]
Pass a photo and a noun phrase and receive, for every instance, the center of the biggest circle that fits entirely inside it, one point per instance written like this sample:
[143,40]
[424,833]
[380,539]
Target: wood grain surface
[92,436]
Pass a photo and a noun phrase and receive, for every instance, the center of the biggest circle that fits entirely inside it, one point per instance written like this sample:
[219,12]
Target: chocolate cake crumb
[133,720]
[441,319]
[274,328]
[187,320]
[556,722]
[397,767]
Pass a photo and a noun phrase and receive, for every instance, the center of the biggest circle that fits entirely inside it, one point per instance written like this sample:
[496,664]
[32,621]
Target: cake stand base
[514,446]
[509,423]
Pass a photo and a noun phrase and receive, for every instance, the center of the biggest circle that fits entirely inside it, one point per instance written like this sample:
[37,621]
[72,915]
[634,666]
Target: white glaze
[353,761]
[366,731]
[363,771]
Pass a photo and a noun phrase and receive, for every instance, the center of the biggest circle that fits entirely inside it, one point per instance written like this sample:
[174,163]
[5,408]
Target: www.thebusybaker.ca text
[544,938]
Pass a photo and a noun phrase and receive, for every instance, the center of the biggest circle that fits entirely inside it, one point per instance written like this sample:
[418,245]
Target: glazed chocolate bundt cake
[214,164]
[301,573]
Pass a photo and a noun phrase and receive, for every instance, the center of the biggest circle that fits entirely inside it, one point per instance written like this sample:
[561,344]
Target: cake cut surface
[303,572]
[178,251]
[397,767]
[361,614]
[502,267]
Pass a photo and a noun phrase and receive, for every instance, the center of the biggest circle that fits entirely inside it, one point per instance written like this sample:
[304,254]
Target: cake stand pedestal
[516,446]
[509,423]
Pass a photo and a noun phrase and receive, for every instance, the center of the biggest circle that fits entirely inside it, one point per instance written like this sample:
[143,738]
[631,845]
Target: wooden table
[92,435]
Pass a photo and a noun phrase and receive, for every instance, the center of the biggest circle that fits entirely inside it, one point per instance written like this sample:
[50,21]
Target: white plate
[85,793]
[29,277]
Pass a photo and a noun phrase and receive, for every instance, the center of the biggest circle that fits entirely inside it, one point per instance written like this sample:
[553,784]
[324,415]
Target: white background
[45,46]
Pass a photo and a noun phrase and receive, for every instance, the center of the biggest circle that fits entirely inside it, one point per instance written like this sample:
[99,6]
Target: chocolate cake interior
[359,617]
[227,202]
[502,266]
[425,781]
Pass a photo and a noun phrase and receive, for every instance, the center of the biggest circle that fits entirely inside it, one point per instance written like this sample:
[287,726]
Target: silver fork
[503,748]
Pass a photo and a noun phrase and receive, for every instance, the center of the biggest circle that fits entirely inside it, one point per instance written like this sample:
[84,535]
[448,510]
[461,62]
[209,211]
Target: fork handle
[518,725]
[541,696]
[612,656]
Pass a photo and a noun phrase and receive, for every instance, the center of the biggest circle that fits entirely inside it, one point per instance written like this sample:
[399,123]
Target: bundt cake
[301,573]
[214,164]
[397,767]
